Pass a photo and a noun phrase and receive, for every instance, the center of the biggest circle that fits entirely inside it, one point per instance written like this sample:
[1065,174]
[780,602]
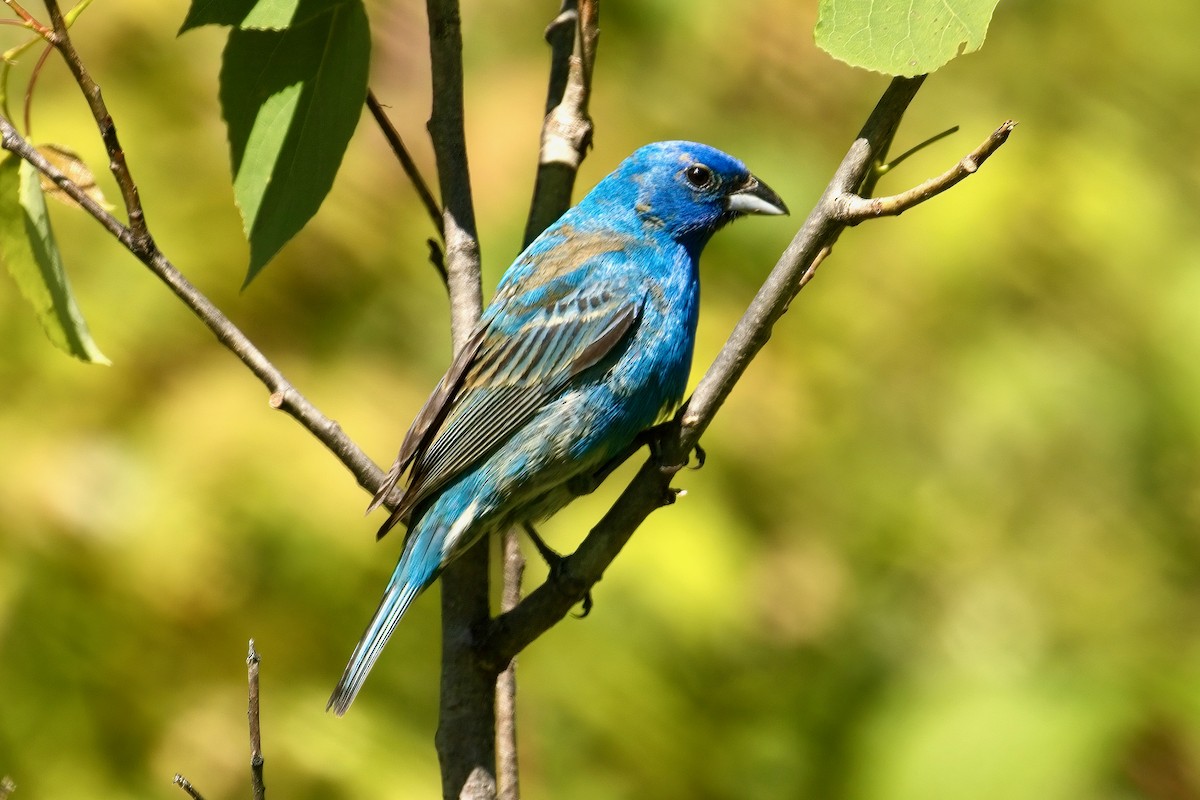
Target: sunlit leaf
[291,100]
[261,15]
[909,37]
[30,254]
[70,164]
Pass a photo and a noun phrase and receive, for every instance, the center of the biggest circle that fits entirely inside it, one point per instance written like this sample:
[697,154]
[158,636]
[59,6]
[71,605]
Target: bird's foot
[556,561]
[654,439]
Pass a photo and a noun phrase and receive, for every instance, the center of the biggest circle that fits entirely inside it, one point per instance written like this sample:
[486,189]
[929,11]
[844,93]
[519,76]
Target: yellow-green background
[946,545]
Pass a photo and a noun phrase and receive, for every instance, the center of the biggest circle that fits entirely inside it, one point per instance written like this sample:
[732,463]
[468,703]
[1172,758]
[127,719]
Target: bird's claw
[587,605]
[655,442]
[556,561]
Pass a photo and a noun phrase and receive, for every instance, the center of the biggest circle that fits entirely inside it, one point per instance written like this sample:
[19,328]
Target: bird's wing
[519,359]
[430,417]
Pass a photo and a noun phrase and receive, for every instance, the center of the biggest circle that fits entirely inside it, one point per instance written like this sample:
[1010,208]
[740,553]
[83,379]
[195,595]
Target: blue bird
[587,342]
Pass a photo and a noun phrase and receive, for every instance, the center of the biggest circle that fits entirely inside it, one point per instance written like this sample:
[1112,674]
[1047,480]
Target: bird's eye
[699,176]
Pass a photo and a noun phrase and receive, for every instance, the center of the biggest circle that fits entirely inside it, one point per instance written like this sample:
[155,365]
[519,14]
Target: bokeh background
[946,544]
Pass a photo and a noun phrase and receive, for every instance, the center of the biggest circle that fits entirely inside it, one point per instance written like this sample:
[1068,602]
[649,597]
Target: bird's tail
[396,600]
[442,532]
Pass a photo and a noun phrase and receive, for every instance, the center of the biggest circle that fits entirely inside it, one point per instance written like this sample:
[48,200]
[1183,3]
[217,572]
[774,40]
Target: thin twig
[256,757]
[283,395]
[853,209]
[30,21]
[879,168]
[896,161]
[141,240]
[29,87]
[508,776]
[406,162]
[185,784]
[650,488]
[817,261]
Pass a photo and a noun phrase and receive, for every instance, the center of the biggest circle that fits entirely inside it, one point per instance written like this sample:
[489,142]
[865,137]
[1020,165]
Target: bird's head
[692,190]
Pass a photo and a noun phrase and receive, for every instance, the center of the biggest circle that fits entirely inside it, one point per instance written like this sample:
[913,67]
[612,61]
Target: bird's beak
[755,197]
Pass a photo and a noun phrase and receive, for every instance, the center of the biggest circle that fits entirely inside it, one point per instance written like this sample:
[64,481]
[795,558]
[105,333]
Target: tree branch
[29,20]
[508,775]
[407,164]
[436,257]
[258,789]
[650,488]
[446,127]
[283,395]
[139,234]
[567,128]
[466,735]
[854,209]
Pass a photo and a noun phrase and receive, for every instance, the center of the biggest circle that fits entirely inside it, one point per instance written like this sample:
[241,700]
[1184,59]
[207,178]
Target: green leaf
[273,15]
[30,254]
[291,100]
[902,37]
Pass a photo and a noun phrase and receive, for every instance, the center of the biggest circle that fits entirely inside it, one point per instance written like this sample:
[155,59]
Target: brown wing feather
[428,420]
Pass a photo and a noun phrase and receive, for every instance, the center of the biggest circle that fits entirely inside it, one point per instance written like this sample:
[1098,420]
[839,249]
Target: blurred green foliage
[946,542]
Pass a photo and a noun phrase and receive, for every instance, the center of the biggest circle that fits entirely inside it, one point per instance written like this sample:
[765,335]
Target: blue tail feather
[396,601]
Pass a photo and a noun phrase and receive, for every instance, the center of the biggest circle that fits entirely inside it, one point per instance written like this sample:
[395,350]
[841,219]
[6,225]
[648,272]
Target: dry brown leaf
[70,164]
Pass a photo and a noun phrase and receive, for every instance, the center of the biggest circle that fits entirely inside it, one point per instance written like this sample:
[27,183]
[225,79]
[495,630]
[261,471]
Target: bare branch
[283,395]
[854,209]
[406,162]
[508,773]
[466,735]
[139,234]
[650,488]
[7,787]
[30,21]
[446,127]
[258,789]
[185,784]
